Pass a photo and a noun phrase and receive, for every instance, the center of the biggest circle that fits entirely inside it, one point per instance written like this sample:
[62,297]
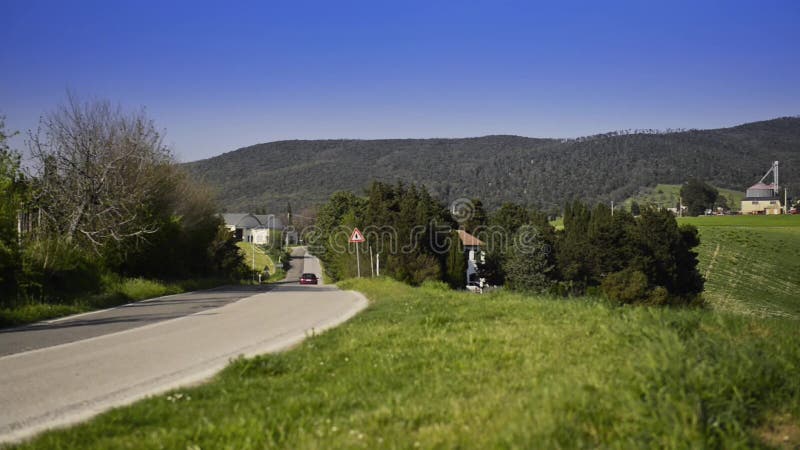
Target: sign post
[357,237]
[371,266]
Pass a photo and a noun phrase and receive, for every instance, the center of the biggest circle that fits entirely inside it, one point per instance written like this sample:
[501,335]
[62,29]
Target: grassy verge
[116,292]
[432,368]
[278,275]
[261,259]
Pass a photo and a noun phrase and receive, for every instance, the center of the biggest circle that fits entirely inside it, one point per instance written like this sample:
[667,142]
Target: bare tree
[98,171]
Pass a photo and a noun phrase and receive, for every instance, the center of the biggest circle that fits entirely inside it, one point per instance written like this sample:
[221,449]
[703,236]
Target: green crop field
[751,263]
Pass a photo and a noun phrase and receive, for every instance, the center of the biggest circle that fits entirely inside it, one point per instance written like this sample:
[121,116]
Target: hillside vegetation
[535,172]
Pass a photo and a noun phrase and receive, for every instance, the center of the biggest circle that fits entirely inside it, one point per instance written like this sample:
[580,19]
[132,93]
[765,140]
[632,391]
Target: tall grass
[432,368]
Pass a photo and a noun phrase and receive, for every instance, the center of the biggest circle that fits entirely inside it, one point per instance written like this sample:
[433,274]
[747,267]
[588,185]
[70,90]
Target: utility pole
[378,263]
[786,200]
[358,261]
[371,264]
[612,208]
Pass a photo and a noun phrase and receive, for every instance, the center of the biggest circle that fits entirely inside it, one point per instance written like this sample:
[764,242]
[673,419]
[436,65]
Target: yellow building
[762,199]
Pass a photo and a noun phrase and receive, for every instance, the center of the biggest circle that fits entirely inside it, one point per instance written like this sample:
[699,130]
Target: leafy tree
[187,243]
[492,268]
[635,208]
[698,196]
[224,254]
[98,168]
[615,252]
[509,217]
[607,246]
[663,251]
[528,268]
[520,252]
[328,240]
[503,225]
[10,201]
[477,218]
[402,222]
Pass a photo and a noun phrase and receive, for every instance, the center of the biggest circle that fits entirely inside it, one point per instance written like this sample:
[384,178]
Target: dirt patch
[780,431]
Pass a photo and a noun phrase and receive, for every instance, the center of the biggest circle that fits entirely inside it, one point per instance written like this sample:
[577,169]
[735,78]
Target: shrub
[140,289]
[626,287]
[54,271]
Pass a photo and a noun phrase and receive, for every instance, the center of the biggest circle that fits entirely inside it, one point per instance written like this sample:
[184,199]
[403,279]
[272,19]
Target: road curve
[67,383]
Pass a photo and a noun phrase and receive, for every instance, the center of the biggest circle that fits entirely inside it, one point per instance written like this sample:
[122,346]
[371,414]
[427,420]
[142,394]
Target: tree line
[645,259]
[102,198]
[405,227]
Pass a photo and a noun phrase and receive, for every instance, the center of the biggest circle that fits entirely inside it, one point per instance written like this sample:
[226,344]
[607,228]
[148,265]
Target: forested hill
[536,172]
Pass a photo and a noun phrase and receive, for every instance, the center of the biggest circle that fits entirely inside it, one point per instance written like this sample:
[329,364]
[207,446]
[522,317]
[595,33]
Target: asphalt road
[85,365]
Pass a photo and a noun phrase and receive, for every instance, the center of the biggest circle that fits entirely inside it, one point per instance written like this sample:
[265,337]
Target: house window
[755,203]
[772,202]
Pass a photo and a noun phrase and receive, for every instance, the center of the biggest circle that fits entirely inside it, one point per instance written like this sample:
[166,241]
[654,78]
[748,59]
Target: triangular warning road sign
[356,236]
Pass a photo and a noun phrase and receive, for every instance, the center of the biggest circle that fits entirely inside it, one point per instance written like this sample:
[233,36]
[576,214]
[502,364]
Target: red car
[308,278]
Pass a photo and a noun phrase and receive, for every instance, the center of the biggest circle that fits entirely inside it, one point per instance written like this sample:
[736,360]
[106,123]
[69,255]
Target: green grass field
[751,263]
[668,195]
[433,368]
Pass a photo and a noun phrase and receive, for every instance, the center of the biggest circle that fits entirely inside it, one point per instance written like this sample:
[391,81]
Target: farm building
[253,228]
[762,198]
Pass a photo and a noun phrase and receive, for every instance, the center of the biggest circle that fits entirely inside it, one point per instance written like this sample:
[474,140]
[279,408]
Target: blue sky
[219,76]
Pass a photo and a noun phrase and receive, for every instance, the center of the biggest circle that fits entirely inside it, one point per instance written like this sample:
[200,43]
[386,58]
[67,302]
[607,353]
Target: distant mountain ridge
[532,171]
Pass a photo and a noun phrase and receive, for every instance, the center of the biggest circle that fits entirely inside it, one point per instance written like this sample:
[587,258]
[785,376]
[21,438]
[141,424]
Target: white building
[253,228]
[474,254]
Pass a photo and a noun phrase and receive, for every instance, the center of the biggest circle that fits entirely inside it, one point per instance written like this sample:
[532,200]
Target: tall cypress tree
[572,245]
[664,253]
[456,263]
